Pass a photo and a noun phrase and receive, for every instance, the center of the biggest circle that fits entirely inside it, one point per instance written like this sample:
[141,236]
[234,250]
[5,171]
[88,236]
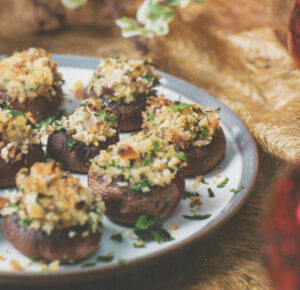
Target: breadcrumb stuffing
[29,74]
[123,80]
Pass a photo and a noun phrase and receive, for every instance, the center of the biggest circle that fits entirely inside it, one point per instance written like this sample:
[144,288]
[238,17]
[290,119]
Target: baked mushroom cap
[58,246]
[8,171]
[124,85]
[51,216]
[129,115]
[20,144]
[30,82]
[202,159]
[124,206]
[193,129]
[72,154]
[139,175]
[80,136]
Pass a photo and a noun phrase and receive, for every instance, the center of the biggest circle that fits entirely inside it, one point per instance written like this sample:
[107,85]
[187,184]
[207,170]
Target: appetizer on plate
[139,175]
[51,216]
[193,129]
[20,144]
[29,82]
[80,136]
[123,85]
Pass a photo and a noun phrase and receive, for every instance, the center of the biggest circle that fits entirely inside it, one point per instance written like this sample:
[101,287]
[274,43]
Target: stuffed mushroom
[123,85]
[30,82]
[193,129]
[51,216]
[79,137]
[20,144]
[139,175]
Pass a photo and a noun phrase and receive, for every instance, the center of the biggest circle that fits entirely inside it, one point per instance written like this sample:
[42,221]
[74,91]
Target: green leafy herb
[204,131]
[181,155]
[167,203]
[24,222]
[106,259]
[70,144]
[235,191]
[117,237]
[180,107]
[34,259]
[102,115]
[13,205]
[223,183]
[148,158]
[202,180]
[6,80]
[112,118]
[197,216]
[168,155]
[123,262]
[58,125]
[89,264]
[156,147]
[32,89]
[48,121]
[149,116]
[188,194]
[100,76]
[139,186]
[149,229]
[16,113]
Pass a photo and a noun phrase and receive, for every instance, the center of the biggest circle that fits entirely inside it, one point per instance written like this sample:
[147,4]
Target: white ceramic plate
[239,165]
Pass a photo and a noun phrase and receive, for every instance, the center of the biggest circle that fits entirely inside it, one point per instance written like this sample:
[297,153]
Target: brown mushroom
[58,245]
[75,157]
[124,206]
[129,115]
[8,171]
[202,159]
[40,107]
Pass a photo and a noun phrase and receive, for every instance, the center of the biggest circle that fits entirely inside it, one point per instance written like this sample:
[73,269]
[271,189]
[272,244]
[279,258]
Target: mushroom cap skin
[78,158]
[56,246]
[8,171]
[124,206]
[201,160]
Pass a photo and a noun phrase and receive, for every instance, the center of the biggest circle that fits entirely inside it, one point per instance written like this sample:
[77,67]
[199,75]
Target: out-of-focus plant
[152,18]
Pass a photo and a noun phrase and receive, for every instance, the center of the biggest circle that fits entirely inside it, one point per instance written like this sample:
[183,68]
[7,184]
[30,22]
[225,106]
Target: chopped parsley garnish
[197,216]
[156,147]
[13,205]
[6,80]
[181,155]
[117,237]
[180,107]
[151,229]
[167,203]
[139,186]
[70,144]
[123,262]
[108,258]
[102,115]
[32,89]
[202,180]
[223,183]
[49,120]
[235,191]
[24,222]
[149,116]
[204,131]
[168,155]
[16,113]
[148,158]
[100,76]
[89,264]
[188,194]
[58,125]
[112,118]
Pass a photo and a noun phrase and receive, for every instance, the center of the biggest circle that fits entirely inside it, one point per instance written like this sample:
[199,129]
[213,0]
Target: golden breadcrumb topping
[17,134]
[28,74]
[140,162]
[121,80]
[180,123]
[91,123]
[46,199]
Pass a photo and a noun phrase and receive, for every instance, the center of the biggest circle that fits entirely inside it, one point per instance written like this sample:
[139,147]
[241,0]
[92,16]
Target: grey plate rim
[249,174]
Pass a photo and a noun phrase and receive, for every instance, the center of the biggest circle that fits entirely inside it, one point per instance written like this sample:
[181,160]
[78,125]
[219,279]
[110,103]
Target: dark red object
[294,34]
[281,245]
